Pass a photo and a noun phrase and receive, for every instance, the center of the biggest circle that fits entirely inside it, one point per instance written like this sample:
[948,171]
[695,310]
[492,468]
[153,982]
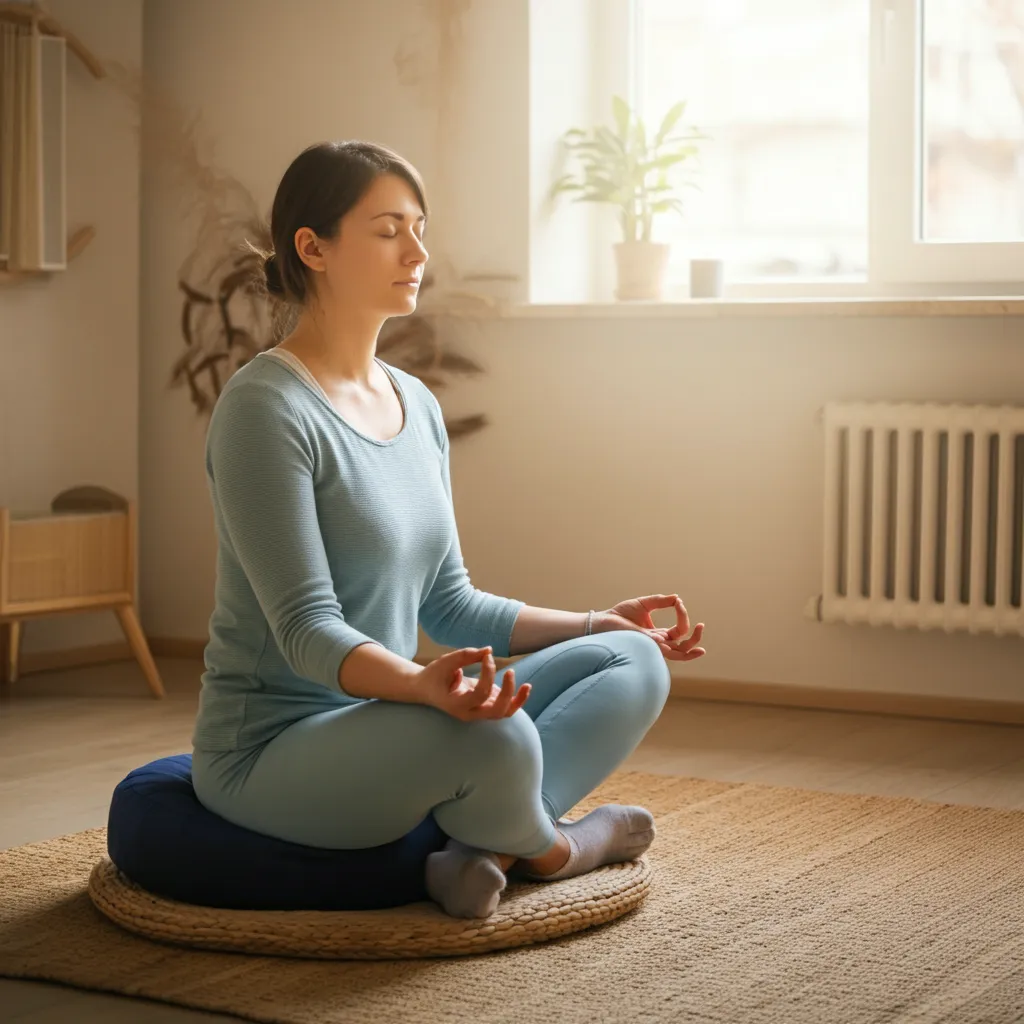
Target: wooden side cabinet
[79,556]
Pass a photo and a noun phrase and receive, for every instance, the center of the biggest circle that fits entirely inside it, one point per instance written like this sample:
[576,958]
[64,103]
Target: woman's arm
[453,612]
[261,467]
[371,670]
[537,628]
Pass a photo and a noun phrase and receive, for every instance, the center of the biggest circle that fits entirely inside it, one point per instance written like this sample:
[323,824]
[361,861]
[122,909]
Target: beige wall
[266,85]
[69,345]
[626,455]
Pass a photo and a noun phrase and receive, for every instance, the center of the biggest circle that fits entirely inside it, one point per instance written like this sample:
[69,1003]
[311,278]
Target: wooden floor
[67,738]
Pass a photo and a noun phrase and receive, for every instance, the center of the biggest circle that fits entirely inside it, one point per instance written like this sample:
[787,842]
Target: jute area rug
[769,906]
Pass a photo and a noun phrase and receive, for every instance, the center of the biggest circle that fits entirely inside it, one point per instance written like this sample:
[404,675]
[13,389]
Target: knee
[507,746]
[647,673]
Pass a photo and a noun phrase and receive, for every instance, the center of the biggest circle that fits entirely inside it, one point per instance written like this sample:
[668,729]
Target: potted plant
[633,172]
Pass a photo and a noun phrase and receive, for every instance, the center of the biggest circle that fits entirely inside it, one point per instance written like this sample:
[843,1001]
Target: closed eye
[394,234]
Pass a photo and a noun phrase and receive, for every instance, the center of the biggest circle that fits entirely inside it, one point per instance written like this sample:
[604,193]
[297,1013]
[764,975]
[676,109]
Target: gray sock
[465,881]
[609,834]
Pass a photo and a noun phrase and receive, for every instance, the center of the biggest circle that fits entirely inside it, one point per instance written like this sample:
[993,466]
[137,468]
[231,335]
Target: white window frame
[897,257]
[895,251]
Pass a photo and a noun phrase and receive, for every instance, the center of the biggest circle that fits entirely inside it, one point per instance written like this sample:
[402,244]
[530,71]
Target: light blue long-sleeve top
[327,539]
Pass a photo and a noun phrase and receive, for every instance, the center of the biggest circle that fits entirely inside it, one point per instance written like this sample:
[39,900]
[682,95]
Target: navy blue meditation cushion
[165,840]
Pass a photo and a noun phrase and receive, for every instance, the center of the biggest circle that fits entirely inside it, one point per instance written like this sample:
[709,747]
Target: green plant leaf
[595,196]
[583,149]
[674,140]
[625,168]
[686,151]
[602,181]
[639,135]
[662,162]
[611,141]
[621,113]
[566,186]
[664,205]
[669,121]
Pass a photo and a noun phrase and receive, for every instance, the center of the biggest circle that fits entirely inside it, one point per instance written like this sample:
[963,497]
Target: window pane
[781,86]
[973,120]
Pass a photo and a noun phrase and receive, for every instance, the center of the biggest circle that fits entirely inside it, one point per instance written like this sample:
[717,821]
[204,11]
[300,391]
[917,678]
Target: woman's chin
[403,305]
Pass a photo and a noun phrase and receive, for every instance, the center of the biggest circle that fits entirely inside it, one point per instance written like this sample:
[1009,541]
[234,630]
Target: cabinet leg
[137,641]
[12,651]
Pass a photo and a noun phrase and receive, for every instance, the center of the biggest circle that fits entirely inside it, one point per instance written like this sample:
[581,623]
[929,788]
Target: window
[972,139]
[877,141]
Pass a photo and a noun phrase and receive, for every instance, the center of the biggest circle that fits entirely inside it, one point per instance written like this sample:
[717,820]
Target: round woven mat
[527,913]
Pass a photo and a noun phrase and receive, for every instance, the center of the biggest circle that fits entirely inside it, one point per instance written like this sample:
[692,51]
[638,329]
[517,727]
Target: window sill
[785,307]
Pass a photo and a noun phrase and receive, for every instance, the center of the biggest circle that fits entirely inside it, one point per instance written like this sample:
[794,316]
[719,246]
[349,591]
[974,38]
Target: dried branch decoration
[227,317]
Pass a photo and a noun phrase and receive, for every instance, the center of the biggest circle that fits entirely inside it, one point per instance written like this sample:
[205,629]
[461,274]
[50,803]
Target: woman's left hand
[635,614]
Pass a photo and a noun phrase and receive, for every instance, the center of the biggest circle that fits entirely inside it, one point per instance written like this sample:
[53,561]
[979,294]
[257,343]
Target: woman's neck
[341,349]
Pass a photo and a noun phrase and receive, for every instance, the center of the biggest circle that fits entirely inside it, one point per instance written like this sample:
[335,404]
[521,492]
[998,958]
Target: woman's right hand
[445,687]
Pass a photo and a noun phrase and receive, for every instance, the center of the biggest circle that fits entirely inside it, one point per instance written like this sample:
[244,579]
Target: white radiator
[924,515]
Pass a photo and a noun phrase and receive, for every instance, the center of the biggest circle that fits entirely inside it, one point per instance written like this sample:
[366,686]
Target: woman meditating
[329,475]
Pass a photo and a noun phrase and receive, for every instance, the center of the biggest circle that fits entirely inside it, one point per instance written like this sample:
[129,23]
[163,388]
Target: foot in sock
[466,882]
[610,834]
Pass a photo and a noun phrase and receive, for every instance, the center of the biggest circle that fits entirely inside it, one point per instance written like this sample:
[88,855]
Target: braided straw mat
[527,913]
[770,905]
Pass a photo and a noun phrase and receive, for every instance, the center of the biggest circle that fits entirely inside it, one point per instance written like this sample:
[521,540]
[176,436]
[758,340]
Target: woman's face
[375,261]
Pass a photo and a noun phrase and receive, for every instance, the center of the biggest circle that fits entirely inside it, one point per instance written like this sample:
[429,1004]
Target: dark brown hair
[320,186]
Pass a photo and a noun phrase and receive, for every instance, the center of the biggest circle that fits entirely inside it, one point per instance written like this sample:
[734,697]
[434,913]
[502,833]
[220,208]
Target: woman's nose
[417,252]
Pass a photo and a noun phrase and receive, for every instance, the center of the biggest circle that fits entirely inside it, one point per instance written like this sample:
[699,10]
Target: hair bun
[272,273]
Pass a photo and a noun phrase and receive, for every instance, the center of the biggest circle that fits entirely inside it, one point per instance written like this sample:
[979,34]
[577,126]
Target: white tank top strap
[299,367]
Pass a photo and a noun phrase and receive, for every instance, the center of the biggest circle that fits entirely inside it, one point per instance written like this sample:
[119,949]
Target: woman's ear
[309,248]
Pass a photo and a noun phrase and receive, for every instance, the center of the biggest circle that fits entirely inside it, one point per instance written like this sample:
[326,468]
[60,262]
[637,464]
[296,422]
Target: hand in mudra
[635,614]
[447,688]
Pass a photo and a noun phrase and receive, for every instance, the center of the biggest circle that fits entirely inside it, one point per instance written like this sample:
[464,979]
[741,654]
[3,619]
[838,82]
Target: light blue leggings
[368,773]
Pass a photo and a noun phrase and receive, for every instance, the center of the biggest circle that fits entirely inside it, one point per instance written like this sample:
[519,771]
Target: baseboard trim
[103,654]
[176,647]
[959,709]
[73,657]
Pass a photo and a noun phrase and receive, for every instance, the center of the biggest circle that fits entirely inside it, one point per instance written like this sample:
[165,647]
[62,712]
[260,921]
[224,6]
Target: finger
[485,684]
[655,601]
[697,634]
[496,694]
[516,697]
[683,616]
[682,626]
[479,689]
[672,653]
[464,657]
[521,697]
[693,639]
[651,603]
[499,709]
[675,654]
[685,648]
